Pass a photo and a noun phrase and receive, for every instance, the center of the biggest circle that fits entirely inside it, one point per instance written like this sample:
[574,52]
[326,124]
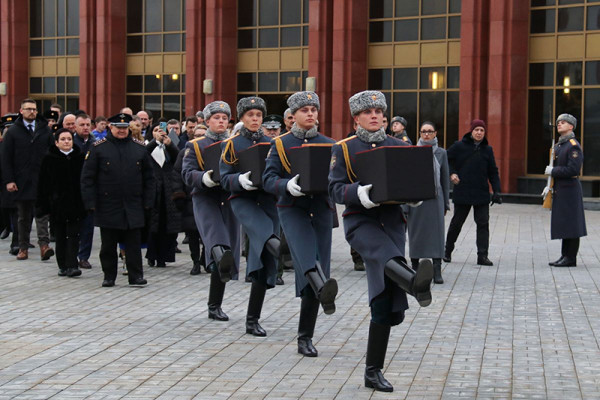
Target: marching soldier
[568,218]
[254,208]
[306,219]
[218,226]
[117,185]
[377,232]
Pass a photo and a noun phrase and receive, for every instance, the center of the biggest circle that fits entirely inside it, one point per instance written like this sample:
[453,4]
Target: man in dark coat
[8,207]
[84,140]
[568,218]
[24,146]
[472,166]
[117,184]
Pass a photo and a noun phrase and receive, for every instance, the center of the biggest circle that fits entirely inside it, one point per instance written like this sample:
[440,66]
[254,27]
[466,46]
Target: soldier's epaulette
[346,140]
[197,139]
[573,142]
[140,142]
[98,142]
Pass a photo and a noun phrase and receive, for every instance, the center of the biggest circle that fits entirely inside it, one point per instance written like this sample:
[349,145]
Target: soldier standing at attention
[218,226]
[117,185]
[568,218]
[306,219]
[377,232]
[254,208]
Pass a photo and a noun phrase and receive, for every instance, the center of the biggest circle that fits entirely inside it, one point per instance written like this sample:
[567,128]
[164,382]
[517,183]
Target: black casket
[311,162]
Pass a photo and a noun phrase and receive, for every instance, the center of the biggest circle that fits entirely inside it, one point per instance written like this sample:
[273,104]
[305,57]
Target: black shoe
[85,264]
[14,250]
[447,258]
[566,262]
[5,233]
[138,282]
[196,269]
[73,272]
[161,265]
[325,289]
[255,329]
[306,348]
[374,379]
[177,250]
[186,240]
[560,260]
[217,314]
[108,283]
[62,272]
[483,260]
[279,281]
[151,263]
[247,279]
[437,272]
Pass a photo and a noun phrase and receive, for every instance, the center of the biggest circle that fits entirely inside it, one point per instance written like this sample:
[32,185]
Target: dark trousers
[86,235]
[482,219]
[25,212]
[131,238]
[570,248]
[67,242]
[194,244]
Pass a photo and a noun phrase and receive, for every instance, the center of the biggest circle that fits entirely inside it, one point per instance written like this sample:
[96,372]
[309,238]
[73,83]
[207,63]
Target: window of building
[564,62]
[414,58]
[155,26]
[163,95]
[272,50]
[63,90]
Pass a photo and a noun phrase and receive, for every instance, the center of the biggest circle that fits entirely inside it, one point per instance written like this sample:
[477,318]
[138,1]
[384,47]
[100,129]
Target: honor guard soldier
[306,220]
[377,232]
[117,185]
[399,125]
[253,207]
[568,218]
[218,226]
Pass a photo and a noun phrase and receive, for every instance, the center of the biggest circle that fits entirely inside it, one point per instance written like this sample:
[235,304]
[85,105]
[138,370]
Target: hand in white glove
[207,179]
[293,187]
[545,191]
[548,170]
[246,182]
[363,196]
[417,204]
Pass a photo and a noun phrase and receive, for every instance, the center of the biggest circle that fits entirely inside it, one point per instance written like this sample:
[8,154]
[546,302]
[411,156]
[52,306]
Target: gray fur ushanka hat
[368,99]
[568,118]
[302,99]
[216,107]
[251,103]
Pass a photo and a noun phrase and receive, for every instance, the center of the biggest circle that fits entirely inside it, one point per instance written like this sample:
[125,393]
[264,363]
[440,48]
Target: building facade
[517,64]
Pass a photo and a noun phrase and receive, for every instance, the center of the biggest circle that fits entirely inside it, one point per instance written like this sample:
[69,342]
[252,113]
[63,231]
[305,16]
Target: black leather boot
[325,289]
[255,303]
[196,269]
[215,297]
[417,284]
[309,309]
[560,260]
[566,262]
[437,271]
[224,261]
[484,260]
[376,348]
[273,246]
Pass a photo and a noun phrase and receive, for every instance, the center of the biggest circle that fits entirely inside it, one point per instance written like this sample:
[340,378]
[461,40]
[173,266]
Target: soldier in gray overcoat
[254,208]
[218,226]
[377,232]
[568,218]
[426,223]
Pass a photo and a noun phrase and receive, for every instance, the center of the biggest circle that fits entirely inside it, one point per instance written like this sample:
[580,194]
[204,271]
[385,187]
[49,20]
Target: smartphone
[163,126]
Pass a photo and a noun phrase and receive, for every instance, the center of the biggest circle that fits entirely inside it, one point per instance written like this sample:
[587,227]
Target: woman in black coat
[59,195]
[472,166]
[165,218]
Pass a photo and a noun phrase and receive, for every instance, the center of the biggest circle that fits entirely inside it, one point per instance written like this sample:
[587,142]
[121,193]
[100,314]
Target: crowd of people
[143,181]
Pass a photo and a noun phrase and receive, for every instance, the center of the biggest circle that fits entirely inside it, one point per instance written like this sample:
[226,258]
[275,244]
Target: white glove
[545,191]
[293,187]
[246,182]
[363,196]
[207,179]
[417,204]
[548,170]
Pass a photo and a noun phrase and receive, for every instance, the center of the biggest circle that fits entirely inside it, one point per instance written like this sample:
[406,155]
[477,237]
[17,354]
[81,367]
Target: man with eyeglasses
[25,144]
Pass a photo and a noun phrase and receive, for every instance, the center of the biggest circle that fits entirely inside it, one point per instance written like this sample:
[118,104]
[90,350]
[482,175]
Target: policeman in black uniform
[377,232]
[568,218]
[117,185]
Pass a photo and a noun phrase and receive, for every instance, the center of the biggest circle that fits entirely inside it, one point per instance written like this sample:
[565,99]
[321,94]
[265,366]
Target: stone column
[14,53]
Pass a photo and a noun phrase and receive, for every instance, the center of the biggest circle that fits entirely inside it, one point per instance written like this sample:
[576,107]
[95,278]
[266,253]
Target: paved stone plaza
[519,329]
